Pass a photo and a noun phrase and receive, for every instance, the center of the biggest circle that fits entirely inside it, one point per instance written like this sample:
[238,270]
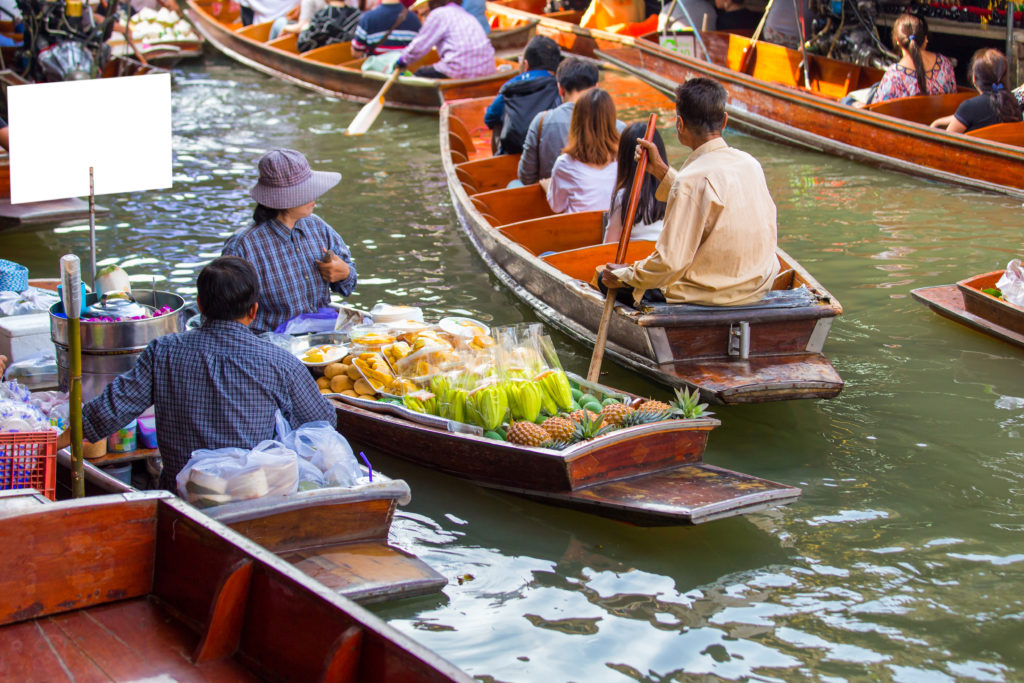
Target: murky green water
[903,561]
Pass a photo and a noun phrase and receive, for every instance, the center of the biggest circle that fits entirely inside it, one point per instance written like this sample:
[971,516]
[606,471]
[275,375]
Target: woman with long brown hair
[919,71]
[583,177]
[995,103]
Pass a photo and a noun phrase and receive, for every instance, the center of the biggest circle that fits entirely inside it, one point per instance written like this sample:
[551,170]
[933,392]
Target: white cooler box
[23,336]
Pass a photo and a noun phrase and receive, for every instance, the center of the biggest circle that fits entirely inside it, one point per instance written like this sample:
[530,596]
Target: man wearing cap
[300,258]
[214,387]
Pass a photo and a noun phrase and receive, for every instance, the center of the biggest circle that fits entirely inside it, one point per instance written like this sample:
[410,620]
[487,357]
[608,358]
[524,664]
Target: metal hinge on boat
[739,339]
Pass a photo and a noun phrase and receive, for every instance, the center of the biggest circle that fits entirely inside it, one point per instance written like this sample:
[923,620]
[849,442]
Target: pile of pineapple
[548,410]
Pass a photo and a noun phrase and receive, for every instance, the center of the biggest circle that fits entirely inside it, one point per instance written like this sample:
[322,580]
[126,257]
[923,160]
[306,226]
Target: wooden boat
[734,354]
[142,586]
[333,69]
[649,475]
[967,304]
[338,536]
[770,101]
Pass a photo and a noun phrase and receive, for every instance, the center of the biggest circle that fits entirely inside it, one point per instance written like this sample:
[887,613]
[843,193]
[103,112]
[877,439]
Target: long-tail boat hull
[649,475]
[338,536]
[144,587]
[770,101]
[967,304]
[733,354]
[333,69]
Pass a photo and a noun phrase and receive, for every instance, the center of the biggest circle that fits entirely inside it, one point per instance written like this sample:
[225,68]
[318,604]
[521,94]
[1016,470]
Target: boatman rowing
[718,244]
[215,387]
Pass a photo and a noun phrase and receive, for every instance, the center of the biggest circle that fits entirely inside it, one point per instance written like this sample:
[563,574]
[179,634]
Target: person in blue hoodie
[534,90]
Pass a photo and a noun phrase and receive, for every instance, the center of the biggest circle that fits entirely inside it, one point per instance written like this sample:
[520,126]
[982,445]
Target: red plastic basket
[29,460]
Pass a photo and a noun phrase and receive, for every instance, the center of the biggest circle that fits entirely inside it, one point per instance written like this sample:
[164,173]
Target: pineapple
[558,428]
[642,417]
[614,412]
[687,405]
[589,427]
[652,405]
[526,434]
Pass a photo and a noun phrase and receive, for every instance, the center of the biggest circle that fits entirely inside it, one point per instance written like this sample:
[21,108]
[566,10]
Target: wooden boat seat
[1007,133]
[335,53]
[258,32]
[490,173]
[502,207]
[921,108]
[560,232]
[582,263]
[774,299]
[289,42]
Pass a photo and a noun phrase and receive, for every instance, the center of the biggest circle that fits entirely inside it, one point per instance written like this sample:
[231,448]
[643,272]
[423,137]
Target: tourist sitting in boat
[996,104]
[583,177]
[718,243]
[389,26]
[465,50]
[650,211]
[549,130]
[534,90]
[300,258]
[213,387]
[919,71]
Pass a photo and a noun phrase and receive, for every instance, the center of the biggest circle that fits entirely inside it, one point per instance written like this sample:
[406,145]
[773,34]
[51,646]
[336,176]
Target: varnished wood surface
[948,301]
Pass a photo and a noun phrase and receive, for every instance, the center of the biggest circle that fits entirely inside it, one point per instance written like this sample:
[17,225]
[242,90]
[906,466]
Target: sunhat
[286,180]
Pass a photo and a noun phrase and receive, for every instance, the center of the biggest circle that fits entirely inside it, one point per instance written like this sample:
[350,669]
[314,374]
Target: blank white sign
[121,127]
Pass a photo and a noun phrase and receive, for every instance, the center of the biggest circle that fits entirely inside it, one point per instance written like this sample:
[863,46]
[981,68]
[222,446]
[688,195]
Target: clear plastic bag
[224,475]
[321,445]
[1011,284]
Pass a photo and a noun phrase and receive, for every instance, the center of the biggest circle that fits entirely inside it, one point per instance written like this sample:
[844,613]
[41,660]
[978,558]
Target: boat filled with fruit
[496,407]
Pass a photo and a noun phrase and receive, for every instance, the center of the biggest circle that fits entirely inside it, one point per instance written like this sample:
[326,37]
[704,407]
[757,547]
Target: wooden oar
[368,114]
[748,51]
[620,254]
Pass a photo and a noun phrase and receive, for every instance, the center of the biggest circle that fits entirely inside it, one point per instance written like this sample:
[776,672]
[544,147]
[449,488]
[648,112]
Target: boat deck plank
[367,571]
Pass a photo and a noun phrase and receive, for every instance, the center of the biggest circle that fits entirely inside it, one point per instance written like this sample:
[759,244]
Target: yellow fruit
[363,387]
[340,383]
[322,382]
[353,373]
[335,369]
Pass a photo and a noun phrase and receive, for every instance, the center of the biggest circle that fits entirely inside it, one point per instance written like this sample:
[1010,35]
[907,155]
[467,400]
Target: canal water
[903,560]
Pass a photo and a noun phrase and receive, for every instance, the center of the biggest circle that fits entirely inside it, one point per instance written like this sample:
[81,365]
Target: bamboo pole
[620,254]
[71,296]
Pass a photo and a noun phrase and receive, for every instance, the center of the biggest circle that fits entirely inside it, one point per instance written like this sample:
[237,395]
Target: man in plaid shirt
[214,387]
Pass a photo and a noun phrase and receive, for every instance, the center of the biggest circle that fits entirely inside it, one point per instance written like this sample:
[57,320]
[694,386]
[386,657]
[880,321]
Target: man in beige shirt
[718,244]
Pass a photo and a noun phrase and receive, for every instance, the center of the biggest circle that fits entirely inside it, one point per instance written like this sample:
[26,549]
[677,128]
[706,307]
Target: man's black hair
[575,75]
[700,103]
[542,53]
[228,287]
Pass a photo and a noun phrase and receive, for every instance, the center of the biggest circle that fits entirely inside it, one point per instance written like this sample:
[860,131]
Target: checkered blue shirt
[290,282]
[214,387]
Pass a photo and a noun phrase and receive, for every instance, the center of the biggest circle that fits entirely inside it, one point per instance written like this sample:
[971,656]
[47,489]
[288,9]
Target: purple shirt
[460,41]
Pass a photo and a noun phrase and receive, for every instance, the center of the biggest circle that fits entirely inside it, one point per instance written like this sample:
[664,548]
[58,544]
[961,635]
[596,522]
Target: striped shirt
[290,282]
[376,23]
[215,387]
[460,41]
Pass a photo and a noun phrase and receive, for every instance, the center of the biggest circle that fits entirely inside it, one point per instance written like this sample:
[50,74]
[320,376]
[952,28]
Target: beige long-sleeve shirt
[718,244]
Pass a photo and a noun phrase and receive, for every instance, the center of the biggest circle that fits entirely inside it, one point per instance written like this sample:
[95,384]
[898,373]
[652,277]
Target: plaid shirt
[290,282]
[465,50]
[214,387]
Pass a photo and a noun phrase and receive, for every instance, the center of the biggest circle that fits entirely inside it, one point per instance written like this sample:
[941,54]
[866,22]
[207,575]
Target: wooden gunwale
[337,80]
[575,307]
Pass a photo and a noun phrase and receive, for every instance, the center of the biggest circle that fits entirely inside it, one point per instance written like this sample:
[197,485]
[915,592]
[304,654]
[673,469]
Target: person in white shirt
[583,177]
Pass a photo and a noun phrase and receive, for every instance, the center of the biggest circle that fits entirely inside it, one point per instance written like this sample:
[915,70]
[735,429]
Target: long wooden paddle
[620,254]
[748,51]
[372,109]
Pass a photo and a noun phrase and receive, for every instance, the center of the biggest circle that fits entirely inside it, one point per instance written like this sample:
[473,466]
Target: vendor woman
[300,258]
